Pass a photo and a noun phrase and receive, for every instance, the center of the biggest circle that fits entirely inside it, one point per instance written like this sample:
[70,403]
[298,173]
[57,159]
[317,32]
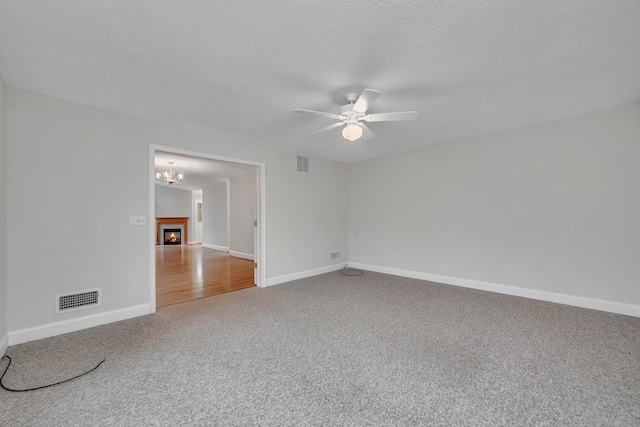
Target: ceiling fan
[353,115]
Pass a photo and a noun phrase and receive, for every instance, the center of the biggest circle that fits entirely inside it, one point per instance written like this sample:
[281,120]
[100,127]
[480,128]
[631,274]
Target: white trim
[216,247]
[304,274]
[260,250]
[577,301]
[228,202]
[4,344]
[241,255]
[57,328]
[152,229]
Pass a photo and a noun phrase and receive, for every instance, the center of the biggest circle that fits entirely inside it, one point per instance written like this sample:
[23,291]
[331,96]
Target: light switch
[137,220]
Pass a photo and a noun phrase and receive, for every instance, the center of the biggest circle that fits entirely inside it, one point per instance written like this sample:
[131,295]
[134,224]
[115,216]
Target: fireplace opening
[172,236]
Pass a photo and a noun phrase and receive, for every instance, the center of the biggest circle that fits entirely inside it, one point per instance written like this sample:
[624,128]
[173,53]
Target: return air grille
[77,300]
[303,164]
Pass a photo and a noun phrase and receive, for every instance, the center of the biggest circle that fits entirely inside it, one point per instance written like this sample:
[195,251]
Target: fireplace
[172,223]
[172,236]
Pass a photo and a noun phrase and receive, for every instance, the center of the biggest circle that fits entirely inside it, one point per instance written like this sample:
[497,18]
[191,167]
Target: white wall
[172,202]
[175,202]
[215,219]
[196,197]
[80,145]
[3,221]
[559,201]
[242,210]
[312,214]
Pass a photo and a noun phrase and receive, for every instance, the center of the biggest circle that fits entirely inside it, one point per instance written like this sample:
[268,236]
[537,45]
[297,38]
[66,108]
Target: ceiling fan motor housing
[351,99]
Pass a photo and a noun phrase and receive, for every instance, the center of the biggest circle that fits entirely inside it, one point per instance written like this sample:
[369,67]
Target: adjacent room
[205,227]
[298,213]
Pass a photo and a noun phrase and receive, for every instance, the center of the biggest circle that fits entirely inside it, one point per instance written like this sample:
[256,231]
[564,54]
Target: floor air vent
[77,300]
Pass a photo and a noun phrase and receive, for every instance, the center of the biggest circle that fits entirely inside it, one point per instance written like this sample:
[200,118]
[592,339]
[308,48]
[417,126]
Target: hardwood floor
[185,273]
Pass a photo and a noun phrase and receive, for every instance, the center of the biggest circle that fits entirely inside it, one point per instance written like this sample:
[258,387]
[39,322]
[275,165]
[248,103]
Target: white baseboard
[241,255]
[4,344]
[57,328]
[303,274]
[216,247]
[577,301]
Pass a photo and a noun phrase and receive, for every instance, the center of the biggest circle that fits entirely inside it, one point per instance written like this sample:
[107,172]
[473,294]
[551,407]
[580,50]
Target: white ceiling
[239,68]
[200,173]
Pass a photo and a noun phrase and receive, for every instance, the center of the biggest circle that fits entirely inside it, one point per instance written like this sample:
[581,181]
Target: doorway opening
[222,253]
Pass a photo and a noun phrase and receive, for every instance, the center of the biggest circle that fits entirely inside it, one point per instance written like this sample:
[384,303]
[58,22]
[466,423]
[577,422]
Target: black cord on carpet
[44,386]
[348,271]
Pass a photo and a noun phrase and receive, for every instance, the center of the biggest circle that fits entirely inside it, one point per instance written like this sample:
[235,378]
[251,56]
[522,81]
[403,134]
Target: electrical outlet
[508,267]
[137,220]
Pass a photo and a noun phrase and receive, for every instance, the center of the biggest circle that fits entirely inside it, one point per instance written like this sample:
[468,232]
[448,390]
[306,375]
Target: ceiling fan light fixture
[351,117]
[352,132]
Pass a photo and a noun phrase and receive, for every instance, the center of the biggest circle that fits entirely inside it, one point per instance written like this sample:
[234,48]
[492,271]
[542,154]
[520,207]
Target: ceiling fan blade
[366,132]
[391,117]
[320,113]
[365,100]
[324,129]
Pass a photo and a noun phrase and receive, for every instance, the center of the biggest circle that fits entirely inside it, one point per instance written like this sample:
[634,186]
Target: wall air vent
[335,255]
[77,300]
[303,164]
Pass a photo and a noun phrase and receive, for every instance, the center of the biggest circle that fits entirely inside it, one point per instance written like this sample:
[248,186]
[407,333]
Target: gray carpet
[338,351]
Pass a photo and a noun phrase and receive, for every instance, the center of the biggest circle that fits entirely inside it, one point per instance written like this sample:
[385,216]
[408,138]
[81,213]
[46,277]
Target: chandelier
[169,176]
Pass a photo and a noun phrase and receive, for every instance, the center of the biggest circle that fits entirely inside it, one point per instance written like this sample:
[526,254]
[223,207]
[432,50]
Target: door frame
[260,232]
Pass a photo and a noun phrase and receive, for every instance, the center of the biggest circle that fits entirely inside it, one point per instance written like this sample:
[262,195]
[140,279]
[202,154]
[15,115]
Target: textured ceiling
[239,68]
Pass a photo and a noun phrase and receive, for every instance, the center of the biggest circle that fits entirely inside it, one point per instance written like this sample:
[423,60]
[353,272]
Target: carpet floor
[333,350]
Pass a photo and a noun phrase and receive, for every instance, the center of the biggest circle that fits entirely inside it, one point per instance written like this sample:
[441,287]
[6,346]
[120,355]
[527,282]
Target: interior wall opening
[219,205]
